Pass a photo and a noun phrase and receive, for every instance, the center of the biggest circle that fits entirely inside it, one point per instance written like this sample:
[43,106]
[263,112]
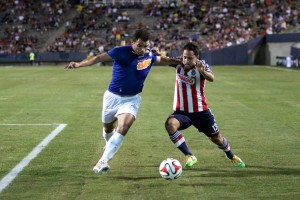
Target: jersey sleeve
[116,53]
[154,57]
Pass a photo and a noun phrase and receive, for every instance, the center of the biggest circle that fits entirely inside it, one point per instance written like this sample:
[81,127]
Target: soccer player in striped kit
[121,101]
[190,107]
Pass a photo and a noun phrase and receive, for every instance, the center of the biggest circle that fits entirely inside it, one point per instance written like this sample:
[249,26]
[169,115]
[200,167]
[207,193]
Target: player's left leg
[211,130]
[224,145]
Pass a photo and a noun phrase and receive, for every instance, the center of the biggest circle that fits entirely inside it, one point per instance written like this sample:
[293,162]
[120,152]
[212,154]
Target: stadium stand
[92,26]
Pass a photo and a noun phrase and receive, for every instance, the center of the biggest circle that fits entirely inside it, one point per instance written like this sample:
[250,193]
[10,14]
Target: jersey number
[215,127]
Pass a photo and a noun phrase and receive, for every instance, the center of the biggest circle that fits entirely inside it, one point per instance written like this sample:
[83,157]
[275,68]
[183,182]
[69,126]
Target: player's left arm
[208,75]
[165,60]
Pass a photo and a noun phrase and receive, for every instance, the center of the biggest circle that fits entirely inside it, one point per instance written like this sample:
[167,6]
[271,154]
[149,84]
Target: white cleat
[101,167]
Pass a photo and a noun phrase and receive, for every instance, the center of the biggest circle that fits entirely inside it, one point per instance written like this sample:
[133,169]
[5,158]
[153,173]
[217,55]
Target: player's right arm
[89,61]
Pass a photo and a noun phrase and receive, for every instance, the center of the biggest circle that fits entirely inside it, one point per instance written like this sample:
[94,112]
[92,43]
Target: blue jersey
[129,70]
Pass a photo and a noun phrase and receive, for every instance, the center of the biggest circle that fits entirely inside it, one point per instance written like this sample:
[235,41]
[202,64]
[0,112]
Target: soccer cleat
[101,167]
[237,162]
[190,161]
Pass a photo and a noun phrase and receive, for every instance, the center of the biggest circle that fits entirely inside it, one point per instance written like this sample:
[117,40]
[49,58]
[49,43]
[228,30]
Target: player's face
[189,59]
[140,47]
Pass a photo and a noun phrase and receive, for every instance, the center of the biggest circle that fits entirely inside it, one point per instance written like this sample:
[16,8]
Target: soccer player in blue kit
[121,101]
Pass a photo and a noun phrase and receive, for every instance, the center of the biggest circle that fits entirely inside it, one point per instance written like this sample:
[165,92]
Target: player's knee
[171,125]
[108,128]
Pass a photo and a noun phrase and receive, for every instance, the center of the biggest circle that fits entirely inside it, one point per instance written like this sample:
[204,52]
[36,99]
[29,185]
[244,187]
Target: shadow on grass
[135,178]
[202,184]
[130,178]
[249,171]
[143,166]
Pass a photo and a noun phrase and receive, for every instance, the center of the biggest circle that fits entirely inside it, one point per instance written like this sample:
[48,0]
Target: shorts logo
[134,107]
[186,79]
[143,64]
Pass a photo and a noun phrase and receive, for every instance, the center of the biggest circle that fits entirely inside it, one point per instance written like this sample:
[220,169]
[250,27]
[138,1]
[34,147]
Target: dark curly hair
[190,46]
[142,34]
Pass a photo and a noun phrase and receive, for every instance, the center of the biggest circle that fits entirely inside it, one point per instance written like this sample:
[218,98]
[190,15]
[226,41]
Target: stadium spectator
[121,101]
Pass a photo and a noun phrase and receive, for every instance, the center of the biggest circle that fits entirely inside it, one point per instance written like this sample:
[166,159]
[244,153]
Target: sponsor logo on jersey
[143,64]
[186,79]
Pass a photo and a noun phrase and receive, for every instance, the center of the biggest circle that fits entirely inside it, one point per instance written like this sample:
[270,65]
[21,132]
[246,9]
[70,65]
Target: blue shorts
[204,121]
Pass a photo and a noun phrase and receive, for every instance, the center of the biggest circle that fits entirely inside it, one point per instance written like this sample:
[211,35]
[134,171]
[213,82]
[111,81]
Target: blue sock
[226,148]
[179,141]
[229,154]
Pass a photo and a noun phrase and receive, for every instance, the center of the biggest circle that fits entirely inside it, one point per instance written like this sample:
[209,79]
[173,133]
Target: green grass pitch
[256,107]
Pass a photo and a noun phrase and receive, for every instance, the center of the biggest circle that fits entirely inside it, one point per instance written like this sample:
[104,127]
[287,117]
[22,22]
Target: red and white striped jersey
[189,90]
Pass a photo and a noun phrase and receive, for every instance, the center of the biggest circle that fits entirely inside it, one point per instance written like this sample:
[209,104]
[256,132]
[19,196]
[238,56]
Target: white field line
[6,180]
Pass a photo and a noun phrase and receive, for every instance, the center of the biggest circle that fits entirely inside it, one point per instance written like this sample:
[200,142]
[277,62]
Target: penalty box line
[6,180]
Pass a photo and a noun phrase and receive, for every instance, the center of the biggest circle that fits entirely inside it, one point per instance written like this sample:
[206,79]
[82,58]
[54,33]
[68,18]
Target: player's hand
[156,51]
[200,64]
[179,58]
[72,65]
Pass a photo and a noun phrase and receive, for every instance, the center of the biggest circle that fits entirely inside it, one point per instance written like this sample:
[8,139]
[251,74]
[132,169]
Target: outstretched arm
[164,60]
[89,61]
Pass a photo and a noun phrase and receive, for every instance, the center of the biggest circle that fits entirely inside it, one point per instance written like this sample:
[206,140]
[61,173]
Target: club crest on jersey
[143,64]
[193,73]
[186,79]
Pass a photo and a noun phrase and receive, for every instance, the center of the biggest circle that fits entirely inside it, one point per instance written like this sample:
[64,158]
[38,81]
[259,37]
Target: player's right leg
[109,109]
[172,125]
[125,111]
[190,160]
[108,131]
[115,142]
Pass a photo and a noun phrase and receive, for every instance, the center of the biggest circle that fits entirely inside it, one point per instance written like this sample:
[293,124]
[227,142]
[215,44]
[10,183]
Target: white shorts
[114,105]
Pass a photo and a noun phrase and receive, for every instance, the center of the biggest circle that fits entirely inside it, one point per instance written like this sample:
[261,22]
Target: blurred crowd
[222,23]
[24,22]
[27,24]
